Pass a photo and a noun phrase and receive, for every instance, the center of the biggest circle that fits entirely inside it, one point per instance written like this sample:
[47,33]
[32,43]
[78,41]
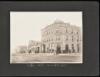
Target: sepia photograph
[49,38]
[46,37]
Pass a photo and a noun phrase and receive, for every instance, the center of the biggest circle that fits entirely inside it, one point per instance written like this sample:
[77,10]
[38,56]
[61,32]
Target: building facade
[61,37]
[34,46]
[58,37]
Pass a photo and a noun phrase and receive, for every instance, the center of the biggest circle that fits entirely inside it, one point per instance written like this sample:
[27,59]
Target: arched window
[44,48]
[58,49]
[66,48]
[77,32]
[73,48]
[77,47]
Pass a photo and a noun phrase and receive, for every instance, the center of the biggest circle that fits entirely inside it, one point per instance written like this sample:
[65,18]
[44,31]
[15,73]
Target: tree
[22,49]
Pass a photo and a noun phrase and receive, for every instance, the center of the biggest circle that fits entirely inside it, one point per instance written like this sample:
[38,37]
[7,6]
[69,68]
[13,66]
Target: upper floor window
[51,39]
[77,32]
[58,38]
[77,40]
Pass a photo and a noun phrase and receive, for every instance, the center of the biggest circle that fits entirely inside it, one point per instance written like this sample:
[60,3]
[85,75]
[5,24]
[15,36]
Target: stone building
[61,37]
[58,37]
[34,46]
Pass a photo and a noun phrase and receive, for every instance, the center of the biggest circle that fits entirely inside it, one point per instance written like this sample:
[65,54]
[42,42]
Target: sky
[25,26]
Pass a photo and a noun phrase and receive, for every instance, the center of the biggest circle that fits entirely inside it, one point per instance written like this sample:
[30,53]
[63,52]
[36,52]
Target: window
[58,38]
[57,31]
[77,32]
[73,48]
[72,32]
[77,47]
[77,40]
[51,39]
[66,48]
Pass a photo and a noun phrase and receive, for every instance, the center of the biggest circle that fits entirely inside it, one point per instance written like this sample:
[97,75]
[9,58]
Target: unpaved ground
[46,58]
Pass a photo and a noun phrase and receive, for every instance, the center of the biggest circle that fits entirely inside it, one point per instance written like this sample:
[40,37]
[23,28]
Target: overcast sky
[25,26]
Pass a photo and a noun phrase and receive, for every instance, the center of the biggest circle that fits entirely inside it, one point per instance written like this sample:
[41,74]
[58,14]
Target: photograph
[46,37]
[49,38]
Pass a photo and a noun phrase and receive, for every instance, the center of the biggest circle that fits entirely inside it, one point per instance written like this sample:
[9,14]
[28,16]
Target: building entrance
[66,48]
[43,48]
[58,50]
